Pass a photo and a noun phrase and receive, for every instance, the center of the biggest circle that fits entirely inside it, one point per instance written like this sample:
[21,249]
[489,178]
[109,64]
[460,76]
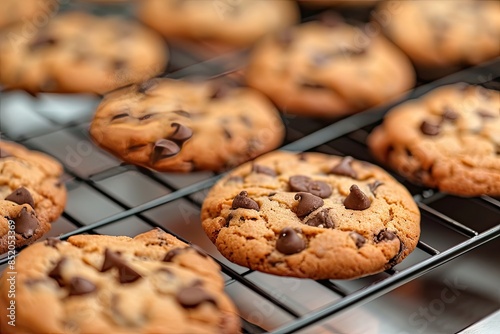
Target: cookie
[31,195]
[448,139]
[443,33]
[236,23]
[152,283]
[311,215]
[32,13]
[328,69]
[78,52]
[176,125]
[339,3]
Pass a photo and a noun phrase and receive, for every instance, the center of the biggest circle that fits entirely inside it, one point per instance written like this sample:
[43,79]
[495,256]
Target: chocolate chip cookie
[78,52]
[31,195]
[152,283]
[237,23]
[328,69]
[448,139]
[443,33]
[311,215]
[179,125]
[32,13]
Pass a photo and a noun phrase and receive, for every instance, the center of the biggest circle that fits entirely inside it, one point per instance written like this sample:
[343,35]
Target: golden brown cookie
[153,283]
[443,33]
[236,23]
[328,69]
[31,195]
[79,52]
[175,125]
[32,13]
[448,139]
[311,215]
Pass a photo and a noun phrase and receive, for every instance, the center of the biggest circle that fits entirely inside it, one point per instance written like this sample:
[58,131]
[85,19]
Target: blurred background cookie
[32,13]
[328,69]
[79,52]
[177,125]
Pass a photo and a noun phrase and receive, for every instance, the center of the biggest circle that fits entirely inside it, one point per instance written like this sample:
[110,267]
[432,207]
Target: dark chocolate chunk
[307,203]
[306,184]
[172,253]
[21,196]
[227,133]
[181,133]
[322,219]
[164,148]
[356,200]
[385,235]
[119,116]
[119,64]
[243,201]
[263,170]
[80,286]
[193,296]
[449,114]
[395,259]
[146,86]
[344,168]
[430,129]
[289,242]
[358,239]
[374,185]
[52,242]
[26,223]
[55,273]
[113,260]
[42,41]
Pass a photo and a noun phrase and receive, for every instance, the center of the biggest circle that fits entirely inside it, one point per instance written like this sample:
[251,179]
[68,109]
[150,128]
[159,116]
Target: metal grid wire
[345,137]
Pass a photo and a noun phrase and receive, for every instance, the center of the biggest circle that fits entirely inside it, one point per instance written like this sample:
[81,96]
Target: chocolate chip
[246,121]
[56,274]
[164,148]
[193,296]
[483,113]
[119,64]
[311,85]
[374,185]
[228,219]
[181,133]
[394,260]
[227,133]
[146,86]
[449,114]
[42,41]
[80,286]
[307,203]
[52,242]
[26,223]
[21,196]
[306,184]
[358,239]
[172,253]
[322,219]
[289,242]
[344,168]
[356,200]
[430,129]
[385,235]
[119,116]
[263,170]
[113,260]
[243,201]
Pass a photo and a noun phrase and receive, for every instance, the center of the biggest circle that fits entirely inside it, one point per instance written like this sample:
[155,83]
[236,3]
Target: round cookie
[175,125]
[238,23]
[152,283]
[328,69]
[31,195]
[78,52]
[31,12]
[448,139]
[443,33]
[311,215]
